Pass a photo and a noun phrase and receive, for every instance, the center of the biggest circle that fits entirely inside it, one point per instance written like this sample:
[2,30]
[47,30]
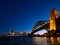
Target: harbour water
[24,40]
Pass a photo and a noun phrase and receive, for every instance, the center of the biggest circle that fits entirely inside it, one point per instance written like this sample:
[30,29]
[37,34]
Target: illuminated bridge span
[44,26]
[52,24]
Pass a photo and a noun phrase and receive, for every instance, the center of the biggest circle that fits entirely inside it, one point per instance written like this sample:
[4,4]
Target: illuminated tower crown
[53,16]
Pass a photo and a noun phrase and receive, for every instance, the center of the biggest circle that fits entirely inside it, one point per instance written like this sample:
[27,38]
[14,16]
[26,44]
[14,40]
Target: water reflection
[58,39]
[21,40]
[46,40]
[41,41]
[55,40]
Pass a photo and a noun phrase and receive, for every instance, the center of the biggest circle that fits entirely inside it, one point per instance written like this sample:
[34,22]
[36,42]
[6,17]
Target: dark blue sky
[20,15]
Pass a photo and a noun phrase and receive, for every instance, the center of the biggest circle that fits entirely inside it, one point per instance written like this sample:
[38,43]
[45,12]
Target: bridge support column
[53,16]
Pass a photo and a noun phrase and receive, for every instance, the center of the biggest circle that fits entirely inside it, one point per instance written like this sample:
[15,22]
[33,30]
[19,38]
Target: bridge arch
[51,23]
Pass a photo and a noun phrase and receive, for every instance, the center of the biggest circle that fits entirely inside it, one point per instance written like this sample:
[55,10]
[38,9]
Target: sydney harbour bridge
[53,24]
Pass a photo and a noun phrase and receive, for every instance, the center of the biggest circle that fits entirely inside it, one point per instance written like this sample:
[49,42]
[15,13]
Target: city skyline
[20,15]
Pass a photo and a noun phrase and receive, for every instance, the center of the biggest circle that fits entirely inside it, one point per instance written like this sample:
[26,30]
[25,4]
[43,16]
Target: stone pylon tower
[53,16]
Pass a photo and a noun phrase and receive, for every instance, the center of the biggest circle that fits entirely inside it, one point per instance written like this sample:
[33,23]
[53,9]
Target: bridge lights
[57,33]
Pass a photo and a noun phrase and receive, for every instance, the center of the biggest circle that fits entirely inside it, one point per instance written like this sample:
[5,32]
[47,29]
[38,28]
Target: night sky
[20,15]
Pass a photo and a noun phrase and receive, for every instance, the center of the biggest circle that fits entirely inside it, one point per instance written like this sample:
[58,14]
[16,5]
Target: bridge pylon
[53,16]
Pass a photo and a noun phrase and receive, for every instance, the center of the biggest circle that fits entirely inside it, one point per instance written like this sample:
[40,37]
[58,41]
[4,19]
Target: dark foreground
[24,40]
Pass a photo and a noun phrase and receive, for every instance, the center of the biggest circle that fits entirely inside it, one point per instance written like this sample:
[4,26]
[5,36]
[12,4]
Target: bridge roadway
[44,26]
